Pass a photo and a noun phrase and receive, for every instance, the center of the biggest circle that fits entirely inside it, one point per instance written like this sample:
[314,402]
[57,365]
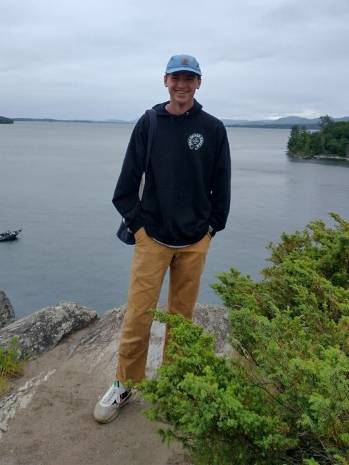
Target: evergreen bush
[282,395]
[10,364]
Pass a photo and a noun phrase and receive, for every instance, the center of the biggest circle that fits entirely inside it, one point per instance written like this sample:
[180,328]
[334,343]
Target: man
[186,199]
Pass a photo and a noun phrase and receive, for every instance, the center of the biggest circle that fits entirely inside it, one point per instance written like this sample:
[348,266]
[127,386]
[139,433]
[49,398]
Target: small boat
[9,235]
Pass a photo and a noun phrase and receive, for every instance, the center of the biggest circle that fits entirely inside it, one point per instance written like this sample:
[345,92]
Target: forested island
[331,141]
[4,120]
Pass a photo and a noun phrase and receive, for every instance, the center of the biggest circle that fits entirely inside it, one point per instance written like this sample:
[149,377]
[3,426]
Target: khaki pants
[150,263]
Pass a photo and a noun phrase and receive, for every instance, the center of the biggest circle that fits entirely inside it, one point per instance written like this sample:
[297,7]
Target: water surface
[57,181]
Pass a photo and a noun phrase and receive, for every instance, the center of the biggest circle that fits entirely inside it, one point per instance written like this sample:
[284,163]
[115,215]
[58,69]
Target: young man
[186,199]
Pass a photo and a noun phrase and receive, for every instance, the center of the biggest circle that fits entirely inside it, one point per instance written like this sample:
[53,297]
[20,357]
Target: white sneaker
[108,407]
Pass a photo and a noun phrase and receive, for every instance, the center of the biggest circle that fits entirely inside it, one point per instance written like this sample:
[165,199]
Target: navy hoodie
[187,186]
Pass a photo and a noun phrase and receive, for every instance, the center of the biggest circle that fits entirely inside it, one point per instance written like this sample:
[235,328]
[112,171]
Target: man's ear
[165,80]
[198,84]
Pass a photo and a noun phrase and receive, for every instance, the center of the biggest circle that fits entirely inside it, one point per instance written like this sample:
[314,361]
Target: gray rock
[45,328]
[99,337]
[214,319]
[103,338]
[7,313]
[61,388]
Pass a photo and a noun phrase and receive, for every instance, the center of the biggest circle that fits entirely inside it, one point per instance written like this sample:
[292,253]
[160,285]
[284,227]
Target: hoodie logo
[195,141]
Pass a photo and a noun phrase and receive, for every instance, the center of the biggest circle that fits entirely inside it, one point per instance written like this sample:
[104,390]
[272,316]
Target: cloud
[87,59]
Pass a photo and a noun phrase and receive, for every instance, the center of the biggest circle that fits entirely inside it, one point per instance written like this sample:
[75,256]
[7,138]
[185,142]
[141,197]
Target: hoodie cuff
[211,231]
[135,224]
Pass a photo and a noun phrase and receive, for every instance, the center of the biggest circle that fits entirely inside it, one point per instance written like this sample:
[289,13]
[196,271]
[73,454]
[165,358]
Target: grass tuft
[10,365]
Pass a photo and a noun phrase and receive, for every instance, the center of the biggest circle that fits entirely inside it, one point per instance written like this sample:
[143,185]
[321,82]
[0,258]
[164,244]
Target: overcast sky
[100,59]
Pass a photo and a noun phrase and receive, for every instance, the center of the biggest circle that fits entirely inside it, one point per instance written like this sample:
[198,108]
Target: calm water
[57,181]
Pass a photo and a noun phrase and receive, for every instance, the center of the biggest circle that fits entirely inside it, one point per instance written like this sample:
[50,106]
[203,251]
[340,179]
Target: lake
[57,181]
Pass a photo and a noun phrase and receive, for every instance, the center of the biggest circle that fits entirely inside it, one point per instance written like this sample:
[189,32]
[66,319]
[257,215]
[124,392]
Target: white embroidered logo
[195,141]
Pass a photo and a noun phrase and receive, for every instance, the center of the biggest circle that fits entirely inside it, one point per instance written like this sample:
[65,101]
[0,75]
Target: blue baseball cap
[183,63]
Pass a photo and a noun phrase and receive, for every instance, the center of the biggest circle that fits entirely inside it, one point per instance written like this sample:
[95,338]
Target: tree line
[332,139]
[4,120]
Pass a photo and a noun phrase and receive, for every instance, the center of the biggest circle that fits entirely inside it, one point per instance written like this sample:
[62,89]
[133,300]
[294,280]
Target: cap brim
[182,68]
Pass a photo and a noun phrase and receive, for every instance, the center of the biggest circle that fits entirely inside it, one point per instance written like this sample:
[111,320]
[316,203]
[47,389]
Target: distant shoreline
[325,157]
[5,120]
[229,125]
[51,120]
[266,126]
[282,123]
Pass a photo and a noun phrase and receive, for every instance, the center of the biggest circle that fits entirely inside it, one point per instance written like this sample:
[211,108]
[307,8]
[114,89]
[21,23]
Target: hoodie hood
[160,109]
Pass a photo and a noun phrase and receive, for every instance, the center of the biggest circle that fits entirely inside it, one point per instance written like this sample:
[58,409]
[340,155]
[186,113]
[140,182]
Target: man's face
[182,86]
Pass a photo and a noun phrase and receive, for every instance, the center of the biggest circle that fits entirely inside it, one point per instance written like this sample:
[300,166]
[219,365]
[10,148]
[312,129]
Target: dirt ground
[53,423]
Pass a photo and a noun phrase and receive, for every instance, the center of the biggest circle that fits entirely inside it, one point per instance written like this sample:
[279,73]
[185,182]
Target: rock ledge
[44,329]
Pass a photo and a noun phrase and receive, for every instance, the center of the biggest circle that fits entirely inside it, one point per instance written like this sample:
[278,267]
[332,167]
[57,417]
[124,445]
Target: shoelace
[114,392]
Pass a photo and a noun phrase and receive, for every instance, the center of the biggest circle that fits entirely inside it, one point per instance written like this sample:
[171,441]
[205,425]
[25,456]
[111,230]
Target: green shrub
[10,364]
[282,396]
